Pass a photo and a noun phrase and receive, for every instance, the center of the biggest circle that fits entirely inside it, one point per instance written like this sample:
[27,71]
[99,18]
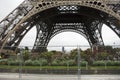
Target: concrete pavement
[15,76]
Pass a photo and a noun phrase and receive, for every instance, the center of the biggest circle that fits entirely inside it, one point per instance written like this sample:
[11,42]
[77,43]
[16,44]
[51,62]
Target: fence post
[79,57]
[20,64]
[86,65]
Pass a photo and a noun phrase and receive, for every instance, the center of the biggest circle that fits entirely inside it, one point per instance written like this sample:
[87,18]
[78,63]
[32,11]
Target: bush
[41,62]
[71,62]
[83,63]
[108,63]
[98,63]
[67,62]
[55,63]
[117,63]
[15,63]
[113,63]
[36,63]
[28,63]
[3,62]
[63,63]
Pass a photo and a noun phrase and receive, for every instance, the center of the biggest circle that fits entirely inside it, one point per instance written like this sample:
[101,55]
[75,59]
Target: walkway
[15,76]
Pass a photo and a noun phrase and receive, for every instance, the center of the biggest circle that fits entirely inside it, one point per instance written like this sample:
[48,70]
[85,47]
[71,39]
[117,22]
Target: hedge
[43,62]
[107,63]
[113,63]
[14,63]
[98,63]
[83,63]
[3,62]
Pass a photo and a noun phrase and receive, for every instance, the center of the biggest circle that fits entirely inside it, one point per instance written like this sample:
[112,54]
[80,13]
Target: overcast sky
[65,38]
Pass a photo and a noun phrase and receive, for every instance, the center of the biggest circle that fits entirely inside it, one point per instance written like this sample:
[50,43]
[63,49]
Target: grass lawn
[61,67]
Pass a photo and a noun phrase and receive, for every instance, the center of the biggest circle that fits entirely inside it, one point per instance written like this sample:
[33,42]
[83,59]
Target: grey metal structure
[54,16]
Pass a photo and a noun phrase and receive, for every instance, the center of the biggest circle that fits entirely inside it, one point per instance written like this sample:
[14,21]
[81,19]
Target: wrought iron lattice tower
[51,17]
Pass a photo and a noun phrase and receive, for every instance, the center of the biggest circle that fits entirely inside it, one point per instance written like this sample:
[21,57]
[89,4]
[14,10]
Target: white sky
[65,38]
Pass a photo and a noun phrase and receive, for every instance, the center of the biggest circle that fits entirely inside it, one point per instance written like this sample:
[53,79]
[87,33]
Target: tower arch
[29,12]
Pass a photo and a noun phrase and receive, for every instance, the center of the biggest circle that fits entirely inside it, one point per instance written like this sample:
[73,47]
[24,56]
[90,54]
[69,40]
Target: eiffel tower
[51,17]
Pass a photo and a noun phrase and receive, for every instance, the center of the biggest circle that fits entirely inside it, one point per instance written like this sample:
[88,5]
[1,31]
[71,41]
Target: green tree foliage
[102,56]
[73,54]
[25,53]
[55,62]
[3,61]
[89,56]
[59,58]
[47,55]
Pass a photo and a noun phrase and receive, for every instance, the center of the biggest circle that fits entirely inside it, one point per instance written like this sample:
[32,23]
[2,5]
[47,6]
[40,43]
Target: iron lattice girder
[115,27]
[15,39]
[42,38]
[29,8]
[92,33]
[63,22]
[14,17]
[60,27]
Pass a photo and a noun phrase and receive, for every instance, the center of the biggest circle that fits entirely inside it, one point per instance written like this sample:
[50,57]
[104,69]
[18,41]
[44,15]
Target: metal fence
[60,60]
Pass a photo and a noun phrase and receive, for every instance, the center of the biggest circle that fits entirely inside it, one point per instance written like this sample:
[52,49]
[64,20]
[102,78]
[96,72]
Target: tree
[89,56]
[102,56]
[109,49]
[47,55]
[25,53]
[73,53]
[117,54]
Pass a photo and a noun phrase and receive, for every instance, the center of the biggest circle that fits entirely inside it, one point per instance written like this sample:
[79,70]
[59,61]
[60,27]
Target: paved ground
[15,76]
